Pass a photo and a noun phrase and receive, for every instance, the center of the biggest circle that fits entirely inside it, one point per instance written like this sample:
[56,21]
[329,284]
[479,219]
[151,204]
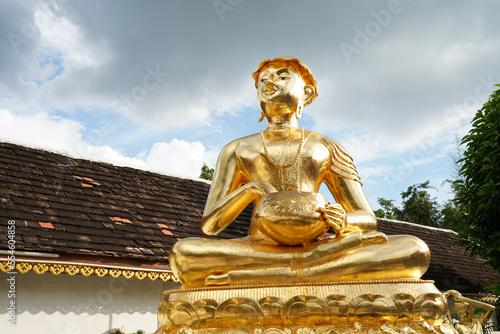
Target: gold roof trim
[483,298]
[23,267]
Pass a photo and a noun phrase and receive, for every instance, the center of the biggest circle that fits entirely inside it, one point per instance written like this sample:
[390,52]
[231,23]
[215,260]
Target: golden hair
[302,68]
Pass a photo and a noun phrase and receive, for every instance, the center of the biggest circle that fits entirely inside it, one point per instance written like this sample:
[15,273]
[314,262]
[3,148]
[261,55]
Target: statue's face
[280,89]
[464,310]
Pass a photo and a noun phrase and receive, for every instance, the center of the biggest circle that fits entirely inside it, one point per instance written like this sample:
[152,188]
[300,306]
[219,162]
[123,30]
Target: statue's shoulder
[342,163]
[331,144]
[241,144]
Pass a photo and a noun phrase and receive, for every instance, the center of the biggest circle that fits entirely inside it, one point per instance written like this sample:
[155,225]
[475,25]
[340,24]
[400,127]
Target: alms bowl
[291,217]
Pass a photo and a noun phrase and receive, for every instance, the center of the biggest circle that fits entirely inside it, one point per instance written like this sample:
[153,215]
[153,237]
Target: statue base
[388,306]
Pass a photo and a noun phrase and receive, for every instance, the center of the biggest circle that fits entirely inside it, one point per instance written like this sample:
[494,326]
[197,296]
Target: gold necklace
[274,163]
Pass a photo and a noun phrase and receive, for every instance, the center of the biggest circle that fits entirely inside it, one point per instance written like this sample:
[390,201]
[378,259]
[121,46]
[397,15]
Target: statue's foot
[374,238]
[271,275]
[217,280]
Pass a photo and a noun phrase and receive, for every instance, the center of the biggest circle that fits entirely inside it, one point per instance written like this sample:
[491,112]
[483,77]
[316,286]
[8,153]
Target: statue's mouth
[269,91]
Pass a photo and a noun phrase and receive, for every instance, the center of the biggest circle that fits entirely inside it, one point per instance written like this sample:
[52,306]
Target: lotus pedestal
[387,306]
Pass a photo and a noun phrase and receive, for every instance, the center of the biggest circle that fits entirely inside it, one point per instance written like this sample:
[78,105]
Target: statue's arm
[358,212]
[344,183]
[488,309]
[227,197]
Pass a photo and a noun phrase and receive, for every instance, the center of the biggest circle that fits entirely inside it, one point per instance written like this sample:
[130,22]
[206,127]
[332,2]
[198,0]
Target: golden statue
[469,323]
[289,275]
[281,170]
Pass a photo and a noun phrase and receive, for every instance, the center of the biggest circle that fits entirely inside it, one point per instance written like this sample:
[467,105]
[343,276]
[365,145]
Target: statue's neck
[282,123]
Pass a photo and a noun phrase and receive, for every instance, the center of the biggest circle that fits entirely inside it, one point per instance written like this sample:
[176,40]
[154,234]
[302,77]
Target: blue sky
[164,85]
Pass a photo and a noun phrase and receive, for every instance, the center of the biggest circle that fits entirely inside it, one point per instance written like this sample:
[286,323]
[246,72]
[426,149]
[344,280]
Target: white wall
[77,304]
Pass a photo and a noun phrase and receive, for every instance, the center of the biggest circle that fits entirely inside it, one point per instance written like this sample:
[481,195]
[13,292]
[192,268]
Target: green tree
[418,206]
[207,173]
[451,217]
[387,209]
[478,188]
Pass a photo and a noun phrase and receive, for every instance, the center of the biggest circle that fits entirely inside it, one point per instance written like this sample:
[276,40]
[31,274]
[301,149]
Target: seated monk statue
[281,170]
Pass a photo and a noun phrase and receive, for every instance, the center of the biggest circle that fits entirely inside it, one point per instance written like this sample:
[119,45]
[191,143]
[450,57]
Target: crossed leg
[354,256]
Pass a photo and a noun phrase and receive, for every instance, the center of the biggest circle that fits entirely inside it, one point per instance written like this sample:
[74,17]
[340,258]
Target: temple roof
[451,267]
[97,213]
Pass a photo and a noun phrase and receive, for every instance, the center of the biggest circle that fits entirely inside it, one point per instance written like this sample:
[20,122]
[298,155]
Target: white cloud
[61,38]
[368,173]
[41,130]
[177,157]
[209,61]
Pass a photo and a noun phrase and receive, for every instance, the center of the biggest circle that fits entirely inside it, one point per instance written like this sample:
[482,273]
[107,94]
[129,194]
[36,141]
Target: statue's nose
[269,84]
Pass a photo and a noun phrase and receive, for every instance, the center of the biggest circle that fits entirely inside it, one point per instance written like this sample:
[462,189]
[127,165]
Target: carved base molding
[387,306]
[339,329]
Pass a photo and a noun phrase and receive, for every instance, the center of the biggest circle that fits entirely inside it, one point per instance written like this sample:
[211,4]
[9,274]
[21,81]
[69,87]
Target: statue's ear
[308,94]
[306,99]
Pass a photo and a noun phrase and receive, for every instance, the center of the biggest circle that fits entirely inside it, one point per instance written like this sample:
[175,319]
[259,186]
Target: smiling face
[280,89]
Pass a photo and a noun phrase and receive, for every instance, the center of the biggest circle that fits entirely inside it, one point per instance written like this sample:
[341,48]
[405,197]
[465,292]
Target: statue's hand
[261,187]
[455,294]
[335,216]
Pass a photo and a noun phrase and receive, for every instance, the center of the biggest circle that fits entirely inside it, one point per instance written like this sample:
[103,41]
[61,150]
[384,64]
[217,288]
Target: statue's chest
[288,167]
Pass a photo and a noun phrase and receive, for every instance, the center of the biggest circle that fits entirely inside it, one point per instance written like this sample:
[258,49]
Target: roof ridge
[71,155]
[418,225]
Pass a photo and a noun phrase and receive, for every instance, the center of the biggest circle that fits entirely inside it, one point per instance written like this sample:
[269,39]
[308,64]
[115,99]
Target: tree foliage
[207,173]
[417,206]
[387,209]
[478,187]
[451,217]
